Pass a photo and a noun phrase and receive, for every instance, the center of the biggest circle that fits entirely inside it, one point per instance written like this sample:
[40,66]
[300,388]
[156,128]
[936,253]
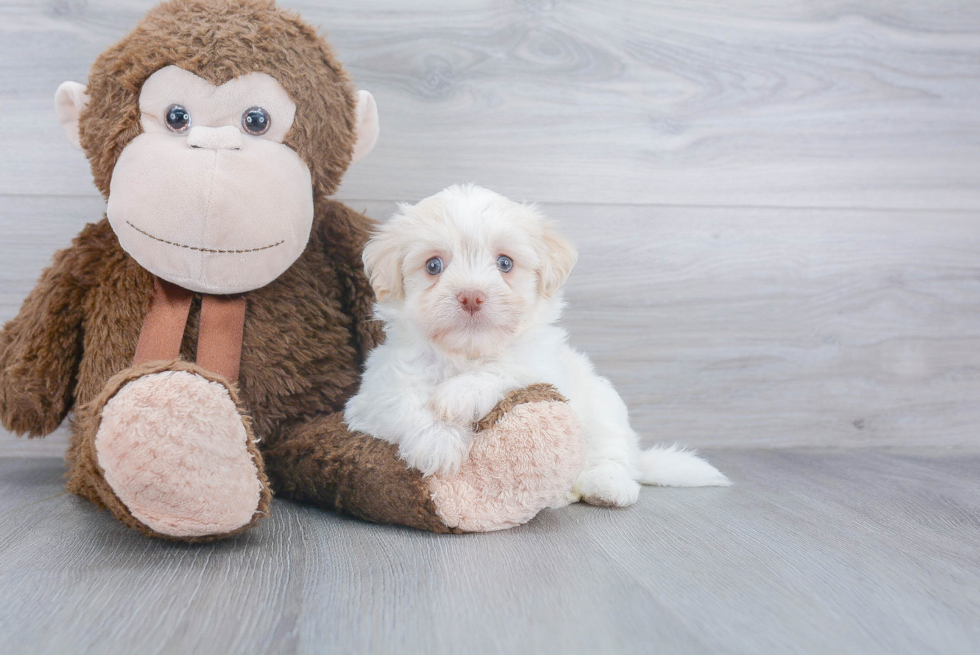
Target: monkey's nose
[227,137]
[471,300]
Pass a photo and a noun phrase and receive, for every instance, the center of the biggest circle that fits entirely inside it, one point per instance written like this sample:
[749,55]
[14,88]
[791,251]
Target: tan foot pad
[527,461]
[174,449]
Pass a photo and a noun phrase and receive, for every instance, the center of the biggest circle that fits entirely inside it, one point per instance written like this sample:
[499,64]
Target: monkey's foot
[526,457]
[176,454]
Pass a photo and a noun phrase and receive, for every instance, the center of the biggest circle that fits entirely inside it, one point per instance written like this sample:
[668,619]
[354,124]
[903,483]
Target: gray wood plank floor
[860,551]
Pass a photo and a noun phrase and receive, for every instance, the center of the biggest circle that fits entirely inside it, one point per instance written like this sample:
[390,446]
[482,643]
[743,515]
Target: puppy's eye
[256,121]
[177,118]
[505,263]
[434,266]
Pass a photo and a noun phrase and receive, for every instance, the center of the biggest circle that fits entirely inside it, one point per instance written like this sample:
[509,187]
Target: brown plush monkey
[208,330]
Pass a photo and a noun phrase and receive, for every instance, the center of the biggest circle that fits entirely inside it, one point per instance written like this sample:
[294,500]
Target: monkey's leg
[167,449]
[526,456]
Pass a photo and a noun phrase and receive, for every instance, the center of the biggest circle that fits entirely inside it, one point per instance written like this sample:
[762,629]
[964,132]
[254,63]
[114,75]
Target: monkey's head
[211,128]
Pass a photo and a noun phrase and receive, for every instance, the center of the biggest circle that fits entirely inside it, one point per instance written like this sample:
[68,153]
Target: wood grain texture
[862,551]
[727,327]
[828,103]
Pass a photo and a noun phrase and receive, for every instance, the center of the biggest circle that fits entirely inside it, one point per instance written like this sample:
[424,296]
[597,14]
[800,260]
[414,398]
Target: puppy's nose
[471,300]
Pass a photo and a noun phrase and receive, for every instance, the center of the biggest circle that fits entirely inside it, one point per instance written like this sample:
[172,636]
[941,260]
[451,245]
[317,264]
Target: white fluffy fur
[442,368]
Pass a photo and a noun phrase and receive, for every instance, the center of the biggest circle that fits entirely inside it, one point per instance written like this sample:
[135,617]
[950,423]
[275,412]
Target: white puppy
[469,288]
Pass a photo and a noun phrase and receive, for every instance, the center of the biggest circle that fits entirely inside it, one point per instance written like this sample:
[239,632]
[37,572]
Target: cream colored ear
[558,257]
[368,126]
[69,101]
[383,265]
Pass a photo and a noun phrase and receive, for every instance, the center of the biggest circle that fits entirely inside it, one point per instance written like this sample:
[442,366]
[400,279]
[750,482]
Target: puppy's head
[468,268]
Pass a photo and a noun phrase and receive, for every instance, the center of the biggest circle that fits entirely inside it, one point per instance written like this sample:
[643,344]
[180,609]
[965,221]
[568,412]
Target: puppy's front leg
[443,434]
[395,409]
[466,398]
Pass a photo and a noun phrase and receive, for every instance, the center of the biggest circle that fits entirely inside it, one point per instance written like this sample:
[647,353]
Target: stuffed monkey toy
[208,330]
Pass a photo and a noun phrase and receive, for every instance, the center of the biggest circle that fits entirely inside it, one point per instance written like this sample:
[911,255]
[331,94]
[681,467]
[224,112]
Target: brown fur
[41,347]
[323,463]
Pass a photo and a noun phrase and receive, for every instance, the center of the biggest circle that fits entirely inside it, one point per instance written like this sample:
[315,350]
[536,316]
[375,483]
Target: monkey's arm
[41,347]
[344,233]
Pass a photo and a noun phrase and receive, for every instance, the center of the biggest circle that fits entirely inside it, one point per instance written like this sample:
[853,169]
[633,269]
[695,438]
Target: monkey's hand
[40,348]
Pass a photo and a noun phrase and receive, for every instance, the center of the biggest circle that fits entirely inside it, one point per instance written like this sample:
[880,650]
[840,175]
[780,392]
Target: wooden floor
[813,551]
[778,212]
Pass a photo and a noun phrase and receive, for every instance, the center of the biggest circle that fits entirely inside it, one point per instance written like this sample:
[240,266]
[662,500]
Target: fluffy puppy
[469,286]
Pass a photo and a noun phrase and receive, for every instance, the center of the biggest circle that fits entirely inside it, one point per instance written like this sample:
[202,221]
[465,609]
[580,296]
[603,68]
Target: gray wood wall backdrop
[777,203]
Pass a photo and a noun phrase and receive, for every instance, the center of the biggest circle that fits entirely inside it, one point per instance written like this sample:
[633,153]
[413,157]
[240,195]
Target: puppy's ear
[383,265]
[558,256]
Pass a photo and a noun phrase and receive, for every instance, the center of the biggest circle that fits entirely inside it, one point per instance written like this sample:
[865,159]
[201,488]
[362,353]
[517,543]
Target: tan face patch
[200,201]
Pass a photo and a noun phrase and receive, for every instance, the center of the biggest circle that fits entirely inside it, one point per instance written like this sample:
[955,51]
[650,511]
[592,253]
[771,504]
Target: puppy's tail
[674,466]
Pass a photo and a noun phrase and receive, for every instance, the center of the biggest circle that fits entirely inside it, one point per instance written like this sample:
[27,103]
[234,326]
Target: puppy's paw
[607,483]
[437,448]
[464,400]
[453,404]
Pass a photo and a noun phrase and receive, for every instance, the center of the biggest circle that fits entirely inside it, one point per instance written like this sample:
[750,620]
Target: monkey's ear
[69,101]
[367,125]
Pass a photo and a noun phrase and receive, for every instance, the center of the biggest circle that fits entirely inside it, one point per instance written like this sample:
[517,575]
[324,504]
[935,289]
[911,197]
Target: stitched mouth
[199,249]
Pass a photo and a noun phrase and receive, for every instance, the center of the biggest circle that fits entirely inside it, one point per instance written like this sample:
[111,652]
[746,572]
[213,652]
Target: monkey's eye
[256,121]
[178,119]
[505,263]
[434,266]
